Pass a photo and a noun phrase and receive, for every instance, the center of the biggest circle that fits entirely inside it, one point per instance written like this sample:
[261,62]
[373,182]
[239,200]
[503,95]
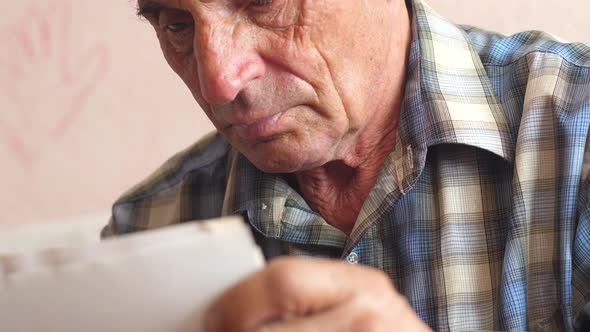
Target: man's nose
[226,62]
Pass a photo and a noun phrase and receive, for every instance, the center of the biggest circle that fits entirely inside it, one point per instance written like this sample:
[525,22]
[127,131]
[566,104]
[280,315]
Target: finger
[60,21]
[92,70]
[38,33]
[348,317]
[33,33]
[14,61]
[10,68]
[364,313]
[292,287]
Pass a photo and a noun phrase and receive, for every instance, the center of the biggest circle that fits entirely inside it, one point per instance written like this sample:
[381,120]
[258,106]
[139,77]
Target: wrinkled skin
[306,87]
[311,88]
[331,297]
[321,66]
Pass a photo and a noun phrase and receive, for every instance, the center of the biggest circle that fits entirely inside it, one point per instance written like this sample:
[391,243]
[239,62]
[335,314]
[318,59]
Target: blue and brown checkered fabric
[481,213]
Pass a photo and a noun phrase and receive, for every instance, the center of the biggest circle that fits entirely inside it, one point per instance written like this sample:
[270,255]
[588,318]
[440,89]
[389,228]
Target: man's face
[289,83]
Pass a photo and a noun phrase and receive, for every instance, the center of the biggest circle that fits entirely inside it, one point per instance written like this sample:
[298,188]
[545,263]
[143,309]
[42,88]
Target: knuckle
[380,282]
[281,276]
[369,321]
[284,283]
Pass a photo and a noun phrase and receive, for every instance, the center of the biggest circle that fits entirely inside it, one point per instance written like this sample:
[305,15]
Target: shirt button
[352,258]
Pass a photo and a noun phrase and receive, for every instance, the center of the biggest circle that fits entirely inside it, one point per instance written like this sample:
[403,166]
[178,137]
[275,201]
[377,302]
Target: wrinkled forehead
[154,6]
[141,4]
[167,3]
[177,3]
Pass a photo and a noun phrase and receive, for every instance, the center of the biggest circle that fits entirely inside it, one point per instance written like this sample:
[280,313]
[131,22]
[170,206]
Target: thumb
[292,288]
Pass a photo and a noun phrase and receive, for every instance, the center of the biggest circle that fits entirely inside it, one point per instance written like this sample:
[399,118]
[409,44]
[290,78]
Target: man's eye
[178,27]
[175,20]
[262,2]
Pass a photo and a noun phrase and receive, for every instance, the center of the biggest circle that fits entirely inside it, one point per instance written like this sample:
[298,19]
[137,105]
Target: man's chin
[281,162]
[282,155]
[276,165]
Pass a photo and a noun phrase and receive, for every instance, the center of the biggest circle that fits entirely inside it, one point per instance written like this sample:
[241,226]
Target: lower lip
[261,129]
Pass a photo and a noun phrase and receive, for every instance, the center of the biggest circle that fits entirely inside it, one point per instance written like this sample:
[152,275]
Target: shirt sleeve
[581,245]
[108,230]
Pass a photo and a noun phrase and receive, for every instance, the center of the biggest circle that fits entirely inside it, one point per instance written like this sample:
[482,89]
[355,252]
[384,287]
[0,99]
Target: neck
[339,188]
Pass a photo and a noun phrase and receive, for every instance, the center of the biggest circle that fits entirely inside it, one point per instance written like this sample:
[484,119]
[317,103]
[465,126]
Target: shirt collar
[448,98]
[448,95]
[274,208]
[260,195]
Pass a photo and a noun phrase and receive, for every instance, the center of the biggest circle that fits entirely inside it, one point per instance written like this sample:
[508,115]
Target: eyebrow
[147,8]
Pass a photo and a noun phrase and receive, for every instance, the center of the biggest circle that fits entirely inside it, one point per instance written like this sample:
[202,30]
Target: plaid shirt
[481,213]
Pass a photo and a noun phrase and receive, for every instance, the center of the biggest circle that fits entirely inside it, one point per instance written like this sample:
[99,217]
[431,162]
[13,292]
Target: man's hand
[301,295]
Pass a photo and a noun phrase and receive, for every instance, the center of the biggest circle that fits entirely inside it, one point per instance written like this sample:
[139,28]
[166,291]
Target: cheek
[343,32]
[178,61]
[313,136]
[303,65]
[185,66]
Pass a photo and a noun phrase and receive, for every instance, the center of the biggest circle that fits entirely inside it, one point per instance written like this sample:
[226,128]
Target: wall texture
[566,19]
[88,106]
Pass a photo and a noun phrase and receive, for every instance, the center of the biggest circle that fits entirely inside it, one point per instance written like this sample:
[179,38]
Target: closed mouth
[260,128]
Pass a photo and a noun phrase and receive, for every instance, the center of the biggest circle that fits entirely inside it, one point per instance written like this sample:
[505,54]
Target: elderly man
[450,163]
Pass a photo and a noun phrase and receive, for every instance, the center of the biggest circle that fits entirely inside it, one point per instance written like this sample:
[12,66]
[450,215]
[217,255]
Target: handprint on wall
[45,78]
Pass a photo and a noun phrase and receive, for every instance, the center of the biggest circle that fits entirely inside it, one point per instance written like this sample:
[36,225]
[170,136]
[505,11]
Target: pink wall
[567,19]
[88,106]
